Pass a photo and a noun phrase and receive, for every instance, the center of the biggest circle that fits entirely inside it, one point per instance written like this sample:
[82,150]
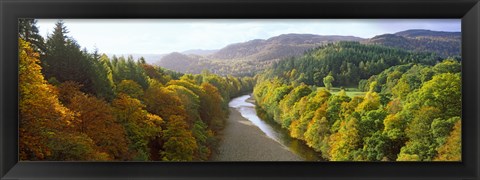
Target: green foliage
[180,145]
[103,79]
[190,101]
[128,69]
[371,101]
[327,81]
[130,88]
[441,129]
[65,61]
[421,142]
[28,31]
[452,149]
[140,126]
[443,92]
[403,79]
[407,114]
[204,138]
[348,62]
[317,132]
[448,66]
[289,101]
[371,122]
[345,142]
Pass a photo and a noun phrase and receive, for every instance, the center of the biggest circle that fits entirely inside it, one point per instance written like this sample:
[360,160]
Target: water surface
[272,129]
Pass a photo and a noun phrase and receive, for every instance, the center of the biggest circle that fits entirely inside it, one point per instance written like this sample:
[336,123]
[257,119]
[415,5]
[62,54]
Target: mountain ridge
[445,44]
[249,57]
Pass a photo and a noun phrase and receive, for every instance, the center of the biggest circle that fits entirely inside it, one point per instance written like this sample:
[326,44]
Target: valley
[289,97]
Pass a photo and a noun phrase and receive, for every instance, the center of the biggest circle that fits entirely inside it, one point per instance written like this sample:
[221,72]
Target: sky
[160,36]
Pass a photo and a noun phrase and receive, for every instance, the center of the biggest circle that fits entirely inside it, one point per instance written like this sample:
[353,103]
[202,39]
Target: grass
[350,91]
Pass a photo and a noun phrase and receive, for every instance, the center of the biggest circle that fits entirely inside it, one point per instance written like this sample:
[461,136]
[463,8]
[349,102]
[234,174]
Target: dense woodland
[81,105]
[77,105]
[410,112]
[347,62]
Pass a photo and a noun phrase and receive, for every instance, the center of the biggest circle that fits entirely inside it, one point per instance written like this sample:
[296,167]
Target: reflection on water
[273,130]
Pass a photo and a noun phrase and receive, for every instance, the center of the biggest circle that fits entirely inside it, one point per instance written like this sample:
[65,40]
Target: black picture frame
[467,10]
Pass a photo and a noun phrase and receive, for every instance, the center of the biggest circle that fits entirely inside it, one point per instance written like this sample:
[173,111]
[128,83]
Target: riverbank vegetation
[76,105]
[349,101]
[411,110]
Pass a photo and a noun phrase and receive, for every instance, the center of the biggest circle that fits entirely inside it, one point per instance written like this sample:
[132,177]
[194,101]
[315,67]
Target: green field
[350,91]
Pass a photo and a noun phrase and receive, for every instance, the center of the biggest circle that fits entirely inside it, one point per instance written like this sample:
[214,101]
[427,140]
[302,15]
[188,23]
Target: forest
[411,110]
[346,100]
[81,106]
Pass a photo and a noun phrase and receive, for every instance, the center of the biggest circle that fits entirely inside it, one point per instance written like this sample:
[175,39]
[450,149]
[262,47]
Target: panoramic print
[240,90]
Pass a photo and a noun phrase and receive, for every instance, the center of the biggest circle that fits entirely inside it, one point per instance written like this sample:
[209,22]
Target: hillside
[277,47]
[201,52]
[178,61]
[347,62]
[445,44]
[414,33]
[249,57]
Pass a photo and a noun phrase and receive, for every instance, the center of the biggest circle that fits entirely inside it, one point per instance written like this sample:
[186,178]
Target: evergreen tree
[28,31]
[65,61]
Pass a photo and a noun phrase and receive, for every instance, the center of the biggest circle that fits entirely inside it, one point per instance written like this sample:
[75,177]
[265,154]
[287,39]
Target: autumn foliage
[116,108]
[410,112]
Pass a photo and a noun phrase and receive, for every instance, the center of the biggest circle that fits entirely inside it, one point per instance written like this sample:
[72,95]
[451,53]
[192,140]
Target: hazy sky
[164,36]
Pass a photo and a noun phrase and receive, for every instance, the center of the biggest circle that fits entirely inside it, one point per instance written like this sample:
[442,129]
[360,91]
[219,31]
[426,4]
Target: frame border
[467,10]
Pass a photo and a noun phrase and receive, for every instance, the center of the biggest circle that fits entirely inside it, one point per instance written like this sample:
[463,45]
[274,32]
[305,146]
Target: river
[247,137]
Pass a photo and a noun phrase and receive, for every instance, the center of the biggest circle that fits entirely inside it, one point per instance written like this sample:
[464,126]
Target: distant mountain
[444,44]
[277,47]
[178,62]
[249,57]
[414,33]
[200,52]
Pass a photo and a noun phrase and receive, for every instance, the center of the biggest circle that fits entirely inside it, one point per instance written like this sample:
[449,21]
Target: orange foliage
[95,118]
[163,102]
[211,108]
[41,114]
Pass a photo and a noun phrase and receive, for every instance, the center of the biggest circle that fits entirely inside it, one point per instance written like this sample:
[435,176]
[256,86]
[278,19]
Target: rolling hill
[248,58]
[277,47]
[444,44]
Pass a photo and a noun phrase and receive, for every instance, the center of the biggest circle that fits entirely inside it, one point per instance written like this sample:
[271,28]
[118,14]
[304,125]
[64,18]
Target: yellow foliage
[40,111]
[370,102]
[452,149]
[96,119]
[345,141]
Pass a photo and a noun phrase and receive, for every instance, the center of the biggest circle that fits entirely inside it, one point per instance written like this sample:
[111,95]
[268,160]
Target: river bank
[242,140]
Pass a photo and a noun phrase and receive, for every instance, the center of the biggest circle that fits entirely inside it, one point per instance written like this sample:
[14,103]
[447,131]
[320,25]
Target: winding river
[247,137]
